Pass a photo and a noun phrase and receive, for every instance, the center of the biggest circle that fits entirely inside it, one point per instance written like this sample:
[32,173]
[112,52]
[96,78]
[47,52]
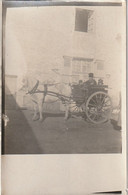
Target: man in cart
[91,81]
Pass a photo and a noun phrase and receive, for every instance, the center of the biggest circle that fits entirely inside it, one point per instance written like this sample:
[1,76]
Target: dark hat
[90,74]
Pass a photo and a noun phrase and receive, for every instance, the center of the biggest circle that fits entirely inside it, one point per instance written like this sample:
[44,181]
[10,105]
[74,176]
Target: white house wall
[109,32]
[43,35]
[84,42]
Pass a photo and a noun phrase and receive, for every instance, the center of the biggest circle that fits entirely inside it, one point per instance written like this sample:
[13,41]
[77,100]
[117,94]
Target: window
[81,65]
[84,20]
[84,68]
[76,66]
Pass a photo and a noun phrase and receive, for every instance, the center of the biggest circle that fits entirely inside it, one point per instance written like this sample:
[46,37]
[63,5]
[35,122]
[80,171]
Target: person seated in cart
[91,81]
[80,83]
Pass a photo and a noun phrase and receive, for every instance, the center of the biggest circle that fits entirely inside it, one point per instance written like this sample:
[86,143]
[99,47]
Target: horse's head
[27,84]
[23,85]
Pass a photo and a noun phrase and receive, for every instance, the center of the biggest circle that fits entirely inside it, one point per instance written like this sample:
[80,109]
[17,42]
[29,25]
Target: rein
[33,90]
[61,97]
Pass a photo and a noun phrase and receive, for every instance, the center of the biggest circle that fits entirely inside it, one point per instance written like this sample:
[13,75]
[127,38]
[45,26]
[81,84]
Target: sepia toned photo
[63,97]
[63,80]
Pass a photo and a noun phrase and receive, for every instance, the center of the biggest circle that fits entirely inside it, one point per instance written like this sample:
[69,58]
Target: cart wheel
[76,109]
[98,107]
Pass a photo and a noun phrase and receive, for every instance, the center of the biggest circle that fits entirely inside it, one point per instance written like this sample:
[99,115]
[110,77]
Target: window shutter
[67,61]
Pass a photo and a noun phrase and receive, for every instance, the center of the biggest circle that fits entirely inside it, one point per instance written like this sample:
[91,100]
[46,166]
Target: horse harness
[34,90]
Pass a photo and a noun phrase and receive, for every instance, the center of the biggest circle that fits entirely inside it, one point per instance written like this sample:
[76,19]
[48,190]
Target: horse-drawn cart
[91,102]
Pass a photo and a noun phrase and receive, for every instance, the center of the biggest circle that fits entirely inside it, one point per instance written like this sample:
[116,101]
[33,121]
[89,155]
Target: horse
[46,91]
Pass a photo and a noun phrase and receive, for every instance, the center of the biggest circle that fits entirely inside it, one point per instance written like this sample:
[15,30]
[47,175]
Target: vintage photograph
[63,80]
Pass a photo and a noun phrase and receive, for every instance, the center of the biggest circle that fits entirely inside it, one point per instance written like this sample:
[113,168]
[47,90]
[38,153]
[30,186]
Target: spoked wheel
[76,109]
[98,107]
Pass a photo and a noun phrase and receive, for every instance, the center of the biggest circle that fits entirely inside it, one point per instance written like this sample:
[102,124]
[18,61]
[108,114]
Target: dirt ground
[56,136]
